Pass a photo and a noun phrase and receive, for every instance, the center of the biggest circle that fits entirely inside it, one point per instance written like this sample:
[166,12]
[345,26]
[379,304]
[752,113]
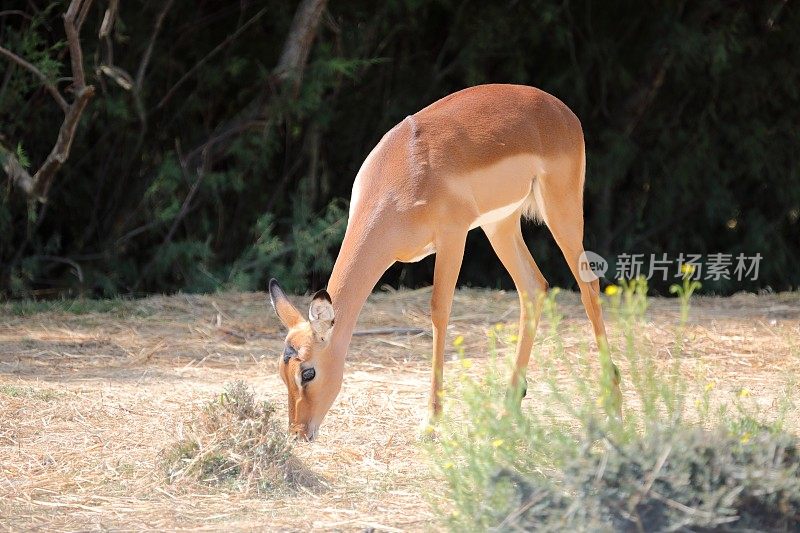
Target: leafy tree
[212,167]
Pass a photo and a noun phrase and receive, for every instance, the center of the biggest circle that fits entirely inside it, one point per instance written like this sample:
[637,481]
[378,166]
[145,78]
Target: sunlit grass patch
[79,306]
[27,392]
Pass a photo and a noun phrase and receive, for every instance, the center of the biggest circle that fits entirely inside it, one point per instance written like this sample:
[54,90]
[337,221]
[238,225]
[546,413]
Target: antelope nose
[311,433]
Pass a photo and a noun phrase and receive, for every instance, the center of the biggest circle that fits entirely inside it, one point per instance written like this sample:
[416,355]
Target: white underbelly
[428,250]
[496,215]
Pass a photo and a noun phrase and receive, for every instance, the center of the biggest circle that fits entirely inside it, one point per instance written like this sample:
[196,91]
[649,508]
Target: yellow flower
[458,341]
[496,443]
[745,438]
[448,465]
[513,338]
[744,393]
[498,327]
[687,269]
[466,363]
[710,386]
[611,290]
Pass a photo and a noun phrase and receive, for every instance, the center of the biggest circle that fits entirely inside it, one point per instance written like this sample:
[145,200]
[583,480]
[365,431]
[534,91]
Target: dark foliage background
[690,112]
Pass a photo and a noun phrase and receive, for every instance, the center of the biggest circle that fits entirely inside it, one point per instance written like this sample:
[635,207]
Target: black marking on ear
[274,290]
[288,353]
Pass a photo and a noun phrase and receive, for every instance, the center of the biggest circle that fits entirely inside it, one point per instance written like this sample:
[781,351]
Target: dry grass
[235,440]
[89,402]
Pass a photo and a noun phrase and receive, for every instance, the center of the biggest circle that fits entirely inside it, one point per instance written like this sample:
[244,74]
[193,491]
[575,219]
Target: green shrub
[22,391]
[680,457]
[690,480]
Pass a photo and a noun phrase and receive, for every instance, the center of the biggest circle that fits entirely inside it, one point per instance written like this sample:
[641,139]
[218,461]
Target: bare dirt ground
[89,401]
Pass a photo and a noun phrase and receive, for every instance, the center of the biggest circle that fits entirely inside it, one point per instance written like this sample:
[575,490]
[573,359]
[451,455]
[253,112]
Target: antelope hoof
[516,393]
[427,430]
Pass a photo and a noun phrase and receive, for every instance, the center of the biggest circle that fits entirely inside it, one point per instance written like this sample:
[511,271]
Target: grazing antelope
[483,157]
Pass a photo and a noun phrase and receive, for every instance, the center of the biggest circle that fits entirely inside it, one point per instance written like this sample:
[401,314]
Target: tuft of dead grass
[236,441]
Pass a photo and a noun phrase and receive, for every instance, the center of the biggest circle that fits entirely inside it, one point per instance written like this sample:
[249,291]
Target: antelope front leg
[449,254]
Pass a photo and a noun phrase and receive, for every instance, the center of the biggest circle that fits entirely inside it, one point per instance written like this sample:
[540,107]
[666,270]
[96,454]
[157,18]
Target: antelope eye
[307,375]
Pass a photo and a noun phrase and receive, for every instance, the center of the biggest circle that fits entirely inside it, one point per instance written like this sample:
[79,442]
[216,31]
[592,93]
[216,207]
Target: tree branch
[298,43]
[108,19]
[75,52]
[38,185]
[38,73]
[60,152]
[150,45]
[15,171]
[643,97]
[7,12]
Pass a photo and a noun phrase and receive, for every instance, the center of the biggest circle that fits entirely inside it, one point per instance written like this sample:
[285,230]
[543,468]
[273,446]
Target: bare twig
[234,130]
[84,12]
[692,511]
[650,479]
[46,83]
[641,100]
[150,45]
[232,37]
[775,16]
[359,333]
[201,172]
[65,260]
[22,14]
[388,331]
[106,28]
[108,19]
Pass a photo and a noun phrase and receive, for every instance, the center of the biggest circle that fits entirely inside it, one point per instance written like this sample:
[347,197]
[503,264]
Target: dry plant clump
[675,479]
[236,442]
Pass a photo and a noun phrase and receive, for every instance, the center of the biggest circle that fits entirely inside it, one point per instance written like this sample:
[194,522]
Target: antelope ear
[287,312]
[321,315]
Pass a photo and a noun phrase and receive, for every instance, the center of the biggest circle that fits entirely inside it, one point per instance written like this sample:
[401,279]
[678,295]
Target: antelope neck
[363,258]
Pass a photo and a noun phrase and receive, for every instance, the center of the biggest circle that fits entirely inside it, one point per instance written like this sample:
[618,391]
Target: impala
[485,157]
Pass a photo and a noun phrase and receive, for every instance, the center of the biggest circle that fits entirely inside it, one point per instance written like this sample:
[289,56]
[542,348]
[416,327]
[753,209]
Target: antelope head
[312,374]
